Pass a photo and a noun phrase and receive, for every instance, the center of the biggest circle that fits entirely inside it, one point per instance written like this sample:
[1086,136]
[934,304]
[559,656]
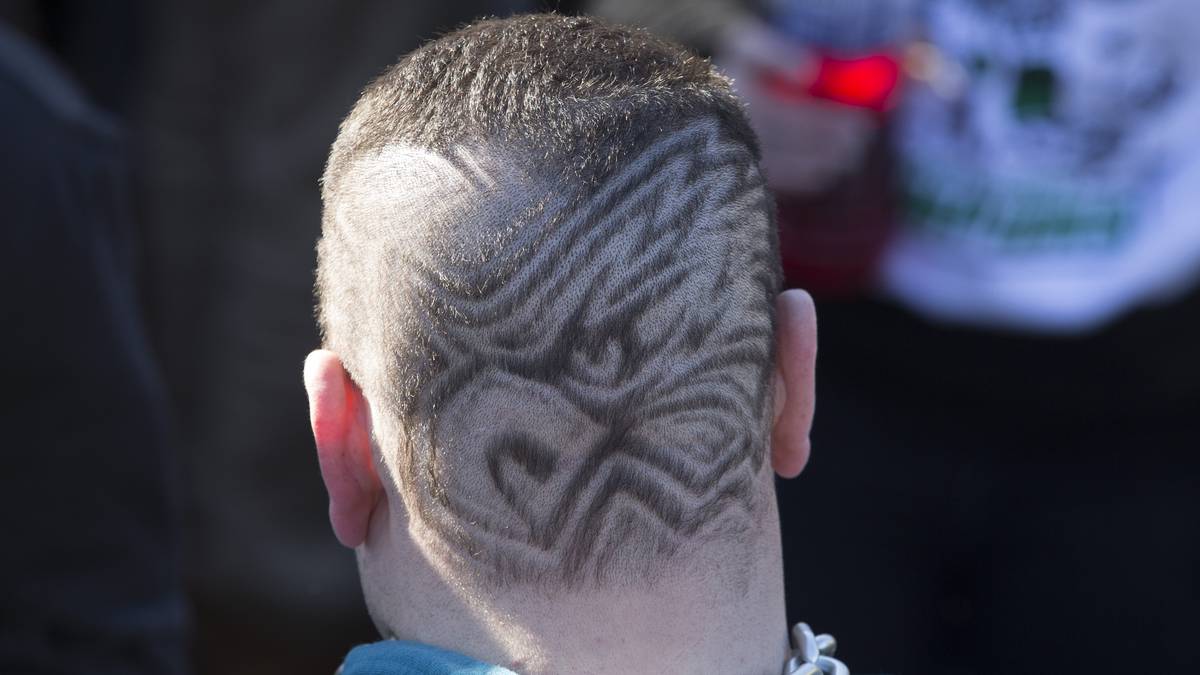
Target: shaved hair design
[549,260]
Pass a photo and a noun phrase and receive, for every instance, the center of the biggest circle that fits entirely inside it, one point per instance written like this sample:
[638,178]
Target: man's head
[549,268]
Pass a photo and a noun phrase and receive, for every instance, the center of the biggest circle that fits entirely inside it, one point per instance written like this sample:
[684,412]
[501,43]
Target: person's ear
[795,381]
[341,426]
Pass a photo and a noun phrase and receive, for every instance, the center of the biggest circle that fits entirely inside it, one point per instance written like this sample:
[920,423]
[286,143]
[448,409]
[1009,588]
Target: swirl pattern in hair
[593,394]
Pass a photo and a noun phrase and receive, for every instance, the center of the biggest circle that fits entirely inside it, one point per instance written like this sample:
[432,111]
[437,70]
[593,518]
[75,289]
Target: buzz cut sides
[549,259]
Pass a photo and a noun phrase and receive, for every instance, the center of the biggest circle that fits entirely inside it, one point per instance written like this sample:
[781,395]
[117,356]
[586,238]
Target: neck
[705,619]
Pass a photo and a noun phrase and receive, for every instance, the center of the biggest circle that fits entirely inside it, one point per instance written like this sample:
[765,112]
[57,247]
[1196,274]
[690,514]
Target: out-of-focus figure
[1054,188]
[1006,475]
[89,573]
[240,105]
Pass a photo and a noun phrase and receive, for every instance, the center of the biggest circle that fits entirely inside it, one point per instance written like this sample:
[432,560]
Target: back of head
[549,262]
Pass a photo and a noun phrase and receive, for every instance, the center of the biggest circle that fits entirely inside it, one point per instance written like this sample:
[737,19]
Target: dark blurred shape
[1001,503]
[831,242]
[1034,95]
[89,568]
[240,104]
[99,43]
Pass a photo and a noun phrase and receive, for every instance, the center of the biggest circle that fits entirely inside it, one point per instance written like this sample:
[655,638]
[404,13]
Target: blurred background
[995,203]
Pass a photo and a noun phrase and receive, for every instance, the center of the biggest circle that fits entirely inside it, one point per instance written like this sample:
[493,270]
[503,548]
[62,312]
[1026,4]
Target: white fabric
[1086,205]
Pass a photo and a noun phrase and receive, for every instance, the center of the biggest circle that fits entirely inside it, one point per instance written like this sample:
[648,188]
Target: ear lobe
[341,429]
[795,382]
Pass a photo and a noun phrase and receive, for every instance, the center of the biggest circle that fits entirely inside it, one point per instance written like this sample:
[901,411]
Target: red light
[864,82]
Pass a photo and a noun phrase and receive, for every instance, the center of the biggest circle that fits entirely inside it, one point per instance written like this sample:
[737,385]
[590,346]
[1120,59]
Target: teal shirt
[396,657]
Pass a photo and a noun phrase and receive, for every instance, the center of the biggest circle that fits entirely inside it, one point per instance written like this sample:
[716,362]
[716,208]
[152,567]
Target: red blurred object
[869,81]
[831,243]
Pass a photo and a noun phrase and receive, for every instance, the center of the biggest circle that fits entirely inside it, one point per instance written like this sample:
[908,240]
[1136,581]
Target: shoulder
[41,100]
[398,657]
